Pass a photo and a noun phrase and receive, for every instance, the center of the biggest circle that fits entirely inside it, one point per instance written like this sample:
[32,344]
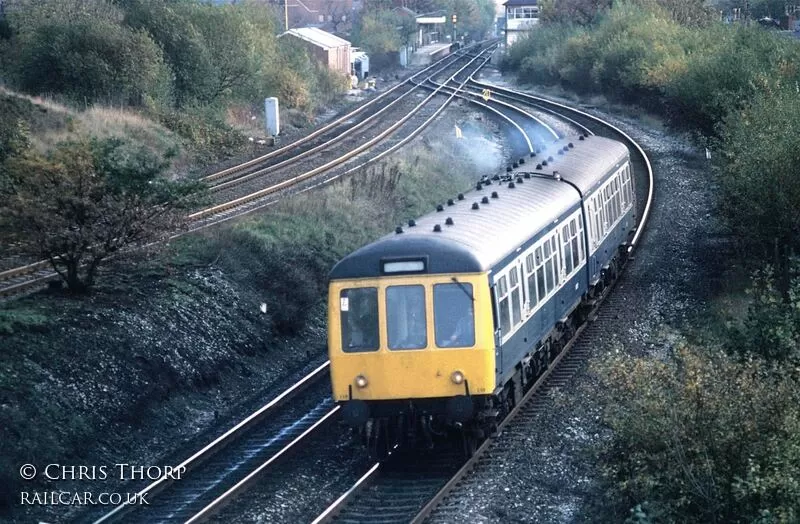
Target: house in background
[521,17]
[326,48]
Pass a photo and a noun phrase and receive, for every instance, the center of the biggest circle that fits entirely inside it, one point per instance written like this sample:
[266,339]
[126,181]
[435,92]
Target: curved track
[256,182]
[384,489]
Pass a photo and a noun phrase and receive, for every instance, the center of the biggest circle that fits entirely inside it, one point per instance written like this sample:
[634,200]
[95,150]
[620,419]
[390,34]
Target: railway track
[400,489]
[413,120]
[227,465]
[383,494]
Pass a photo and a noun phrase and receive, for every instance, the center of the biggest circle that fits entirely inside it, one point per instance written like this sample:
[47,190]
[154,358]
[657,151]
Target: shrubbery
[701,437]
[164,59]
[733,85]
[707,434]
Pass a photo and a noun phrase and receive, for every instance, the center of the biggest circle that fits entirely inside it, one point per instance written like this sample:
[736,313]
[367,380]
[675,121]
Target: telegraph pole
[286,14]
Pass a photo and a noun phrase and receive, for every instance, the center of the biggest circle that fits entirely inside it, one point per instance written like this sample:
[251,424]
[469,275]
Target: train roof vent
[570,145]
[533,153]
[496,177]
[519,179]
[549,159]
[475,206]
[439,207]
[560,151]
[478,186]
[398,230]
[580,137]
[544,163]
[528,175]
[521,161]
[495,195]
[449,221]
[485,200]
[461,196]
[509,169]
[412,223]
[450,202]
[437,228]
[514,165]
[511,184]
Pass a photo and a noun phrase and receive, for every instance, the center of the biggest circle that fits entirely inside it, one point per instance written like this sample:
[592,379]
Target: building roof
[479,240]
[318,37]
[520,3]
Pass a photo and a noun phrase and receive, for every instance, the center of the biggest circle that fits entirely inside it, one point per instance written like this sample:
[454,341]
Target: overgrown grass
[50,123]
[288,252]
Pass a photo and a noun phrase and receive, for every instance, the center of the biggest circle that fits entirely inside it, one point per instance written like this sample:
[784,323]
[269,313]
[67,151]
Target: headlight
[361,381]
[457,377]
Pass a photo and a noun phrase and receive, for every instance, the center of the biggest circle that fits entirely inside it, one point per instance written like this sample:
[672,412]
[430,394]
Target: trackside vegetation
[133,92]
[190,315]
[708,432]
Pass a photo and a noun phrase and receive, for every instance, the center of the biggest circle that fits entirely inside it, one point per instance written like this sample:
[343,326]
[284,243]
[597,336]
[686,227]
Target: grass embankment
[49,123]
[707,433]
[168,340]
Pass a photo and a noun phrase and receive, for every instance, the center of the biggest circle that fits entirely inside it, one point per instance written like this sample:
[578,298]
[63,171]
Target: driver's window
[405,317]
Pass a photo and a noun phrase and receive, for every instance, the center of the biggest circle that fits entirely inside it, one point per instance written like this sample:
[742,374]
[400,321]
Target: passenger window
[540,283]
[567,258]
[532,290]
[502,288]
[576,257]
[505,318]
[516,315]
[453,315]
[548,273]
[405,317]
[358,316]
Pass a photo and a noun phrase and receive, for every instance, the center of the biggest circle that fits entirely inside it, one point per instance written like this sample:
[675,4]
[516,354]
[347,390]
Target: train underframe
[466,420]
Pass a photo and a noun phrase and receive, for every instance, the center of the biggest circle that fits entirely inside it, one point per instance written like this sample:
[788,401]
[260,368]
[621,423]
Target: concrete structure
[328,49]
[272,116]
[521,17]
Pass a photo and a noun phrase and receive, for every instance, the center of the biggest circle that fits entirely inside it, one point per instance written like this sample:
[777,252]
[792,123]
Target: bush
[699,438]
[91,62]
[771,329]
[758,185]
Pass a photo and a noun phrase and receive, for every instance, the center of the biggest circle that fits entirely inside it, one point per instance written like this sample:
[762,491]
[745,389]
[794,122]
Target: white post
[272,116]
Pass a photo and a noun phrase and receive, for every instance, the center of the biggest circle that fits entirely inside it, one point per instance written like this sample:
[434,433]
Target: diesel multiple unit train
[442,325]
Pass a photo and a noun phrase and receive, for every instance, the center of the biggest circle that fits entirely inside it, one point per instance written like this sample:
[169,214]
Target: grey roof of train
[481,238]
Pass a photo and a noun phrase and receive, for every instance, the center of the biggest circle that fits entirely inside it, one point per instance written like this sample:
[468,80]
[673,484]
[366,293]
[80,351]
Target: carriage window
[405,317]
[504,307]
[532,290]
[453,315]
[540,282]
[516,315]
[548,273]
[358,308]
[576,255]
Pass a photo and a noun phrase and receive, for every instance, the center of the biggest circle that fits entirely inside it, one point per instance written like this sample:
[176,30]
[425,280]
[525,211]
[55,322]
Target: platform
[430,53]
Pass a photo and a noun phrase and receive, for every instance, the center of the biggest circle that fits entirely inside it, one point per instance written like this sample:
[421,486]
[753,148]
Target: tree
[90,61]
[89,199]
[185,50]
[759,186]
[379,31]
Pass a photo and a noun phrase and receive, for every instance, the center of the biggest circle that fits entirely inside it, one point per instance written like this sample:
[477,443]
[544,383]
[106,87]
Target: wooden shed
[329,49]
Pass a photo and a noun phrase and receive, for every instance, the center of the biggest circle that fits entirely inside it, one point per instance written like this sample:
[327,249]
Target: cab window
[358,309]
[405,317]
[453,315]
